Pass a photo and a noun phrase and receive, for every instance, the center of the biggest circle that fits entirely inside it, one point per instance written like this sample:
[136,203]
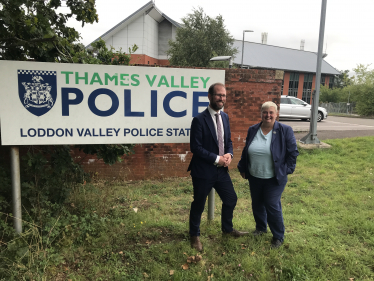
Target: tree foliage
[364,90]
[339,91]
[364,96]
[200,39]
[330,95]
[364,75]
[342,80]
[33,29]
[358,89]
[98,53]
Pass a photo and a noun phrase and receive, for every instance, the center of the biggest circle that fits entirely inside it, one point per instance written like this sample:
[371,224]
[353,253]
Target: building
[299,67]
[149,29]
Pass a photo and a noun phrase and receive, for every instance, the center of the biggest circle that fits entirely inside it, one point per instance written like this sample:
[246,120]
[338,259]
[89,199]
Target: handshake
[225,160]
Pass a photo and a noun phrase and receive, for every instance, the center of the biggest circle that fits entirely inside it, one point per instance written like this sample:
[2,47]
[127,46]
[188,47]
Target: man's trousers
[222,183]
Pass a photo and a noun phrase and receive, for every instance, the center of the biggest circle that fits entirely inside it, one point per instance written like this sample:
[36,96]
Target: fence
[340,107]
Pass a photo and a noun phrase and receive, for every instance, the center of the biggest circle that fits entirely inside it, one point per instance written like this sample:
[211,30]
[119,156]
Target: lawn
[138,230]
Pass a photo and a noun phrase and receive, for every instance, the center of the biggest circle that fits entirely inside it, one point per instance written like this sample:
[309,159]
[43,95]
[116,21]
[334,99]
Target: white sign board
[53,103]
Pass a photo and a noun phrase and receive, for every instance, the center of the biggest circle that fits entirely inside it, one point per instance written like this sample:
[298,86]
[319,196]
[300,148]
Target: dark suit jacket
[204,144]
[283,149]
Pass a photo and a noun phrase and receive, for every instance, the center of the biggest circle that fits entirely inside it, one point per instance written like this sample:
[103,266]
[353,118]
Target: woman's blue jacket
[283,149]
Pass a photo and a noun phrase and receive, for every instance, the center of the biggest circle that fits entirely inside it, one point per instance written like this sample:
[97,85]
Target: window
[297,101]
[323,80]
[293,84]
[331,82]
[307,87]
[284,100]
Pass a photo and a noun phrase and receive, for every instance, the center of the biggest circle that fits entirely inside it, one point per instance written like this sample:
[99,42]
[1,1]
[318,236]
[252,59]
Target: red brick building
[299,67]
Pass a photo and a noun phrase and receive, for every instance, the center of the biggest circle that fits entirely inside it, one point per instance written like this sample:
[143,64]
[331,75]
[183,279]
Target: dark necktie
[219,135]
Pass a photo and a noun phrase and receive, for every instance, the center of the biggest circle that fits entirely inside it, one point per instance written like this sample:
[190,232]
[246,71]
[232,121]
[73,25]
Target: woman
[268,157]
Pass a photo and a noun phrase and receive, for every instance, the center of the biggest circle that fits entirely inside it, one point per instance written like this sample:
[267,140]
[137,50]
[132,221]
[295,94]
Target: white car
[294,108]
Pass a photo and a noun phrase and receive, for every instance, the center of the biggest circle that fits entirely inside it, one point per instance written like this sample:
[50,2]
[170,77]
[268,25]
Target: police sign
[51,103]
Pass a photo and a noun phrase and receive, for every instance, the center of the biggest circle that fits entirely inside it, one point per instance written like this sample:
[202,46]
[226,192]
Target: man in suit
[211,145]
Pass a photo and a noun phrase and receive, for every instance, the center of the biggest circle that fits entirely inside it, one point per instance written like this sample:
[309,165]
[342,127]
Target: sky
[349,25]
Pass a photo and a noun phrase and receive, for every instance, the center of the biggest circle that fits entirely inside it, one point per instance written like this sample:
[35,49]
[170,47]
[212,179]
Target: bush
[365,99]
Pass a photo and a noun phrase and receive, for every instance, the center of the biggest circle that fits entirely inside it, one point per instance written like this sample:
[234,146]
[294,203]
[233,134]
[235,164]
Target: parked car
[291,107]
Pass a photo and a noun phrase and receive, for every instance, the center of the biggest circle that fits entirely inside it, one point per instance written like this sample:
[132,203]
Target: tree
[33,29]
[329,95]
[363,74]
[200,39]
[358,89]
[97,54]
[343,80]
[364,89]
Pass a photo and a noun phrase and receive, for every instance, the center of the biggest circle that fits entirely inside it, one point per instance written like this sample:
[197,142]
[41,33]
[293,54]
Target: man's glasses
[220,96]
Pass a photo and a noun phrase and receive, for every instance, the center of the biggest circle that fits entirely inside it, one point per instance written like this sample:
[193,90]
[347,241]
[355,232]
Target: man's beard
[215,106]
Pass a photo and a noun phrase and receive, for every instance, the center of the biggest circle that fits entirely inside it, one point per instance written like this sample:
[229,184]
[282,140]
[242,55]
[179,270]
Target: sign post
[16,188]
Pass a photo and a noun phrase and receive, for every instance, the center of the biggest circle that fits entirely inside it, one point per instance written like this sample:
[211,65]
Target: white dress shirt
[212,113]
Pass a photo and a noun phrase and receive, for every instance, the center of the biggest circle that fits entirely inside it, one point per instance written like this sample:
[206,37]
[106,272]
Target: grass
[138,230]
[350,115]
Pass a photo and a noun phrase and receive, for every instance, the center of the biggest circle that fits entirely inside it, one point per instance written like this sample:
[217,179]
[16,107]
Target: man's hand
[222,161]
[243,175]
[225,160]
[227,157]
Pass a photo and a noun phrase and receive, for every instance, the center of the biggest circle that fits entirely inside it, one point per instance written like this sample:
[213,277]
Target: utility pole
[311,137]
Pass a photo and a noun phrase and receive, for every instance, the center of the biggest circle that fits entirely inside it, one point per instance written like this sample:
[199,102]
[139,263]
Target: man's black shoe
[236,233]
[258,232]
[196,244]
[275,243]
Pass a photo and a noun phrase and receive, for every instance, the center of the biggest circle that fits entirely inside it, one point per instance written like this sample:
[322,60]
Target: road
[334,127]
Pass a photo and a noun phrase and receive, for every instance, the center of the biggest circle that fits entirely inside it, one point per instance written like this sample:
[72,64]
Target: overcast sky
[349,24]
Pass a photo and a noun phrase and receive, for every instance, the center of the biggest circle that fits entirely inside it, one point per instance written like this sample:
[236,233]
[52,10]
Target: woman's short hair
[268,104]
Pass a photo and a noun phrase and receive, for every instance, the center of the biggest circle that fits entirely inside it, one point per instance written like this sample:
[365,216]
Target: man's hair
[268,104]
[211,90]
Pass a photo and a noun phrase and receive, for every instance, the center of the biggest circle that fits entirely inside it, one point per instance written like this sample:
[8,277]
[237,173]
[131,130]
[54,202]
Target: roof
[149,8]
[273,57]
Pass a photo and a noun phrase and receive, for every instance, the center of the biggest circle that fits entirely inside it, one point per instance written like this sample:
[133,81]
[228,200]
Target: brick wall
[147,60]
[247,89]
[150,161]
[301,86]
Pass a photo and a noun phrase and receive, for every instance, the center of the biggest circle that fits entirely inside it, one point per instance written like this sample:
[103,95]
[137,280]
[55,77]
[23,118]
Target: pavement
[334,127]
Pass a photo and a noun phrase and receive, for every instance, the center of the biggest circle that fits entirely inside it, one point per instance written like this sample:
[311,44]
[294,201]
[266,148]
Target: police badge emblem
[37,90]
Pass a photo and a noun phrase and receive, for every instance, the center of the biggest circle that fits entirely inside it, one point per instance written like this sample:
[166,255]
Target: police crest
[37,90]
